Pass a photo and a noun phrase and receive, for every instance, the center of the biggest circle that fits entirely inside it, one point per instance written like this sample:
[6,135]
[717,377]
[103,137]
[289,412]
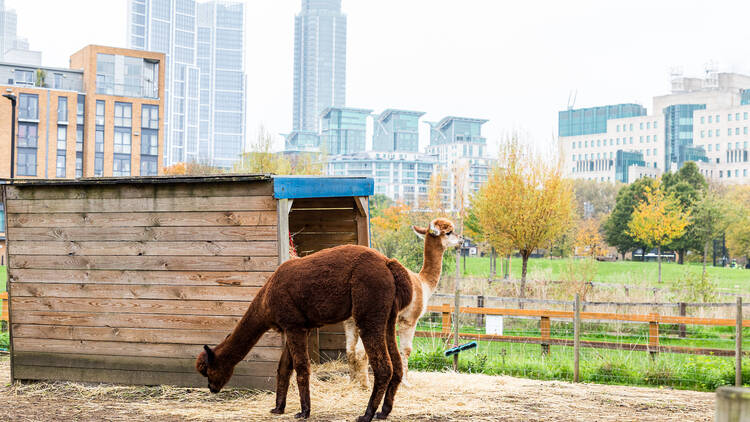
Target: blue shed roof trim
[321,187]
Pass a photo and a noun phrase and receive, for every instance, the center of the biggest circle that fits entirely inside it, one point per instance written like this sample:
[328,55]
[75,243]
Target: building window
[80,106]
[99,139]
[149,140]
[729,117]
[27,147]
[62,137]
[62,109]
[60,163]
[703,134]
[122,143]
[710,119]
[736,131]
[703,119]
[23,77]
[28,107]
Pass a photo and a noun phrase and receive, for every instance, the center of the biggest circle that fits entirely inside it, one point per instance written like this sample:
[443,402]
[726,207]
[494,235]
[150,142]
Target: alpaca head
[442,229]
[209,366]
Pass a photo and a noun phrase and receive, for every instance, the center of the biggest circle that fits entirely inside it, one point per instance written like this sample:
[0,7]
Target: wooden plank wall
[125,283]
[321,223]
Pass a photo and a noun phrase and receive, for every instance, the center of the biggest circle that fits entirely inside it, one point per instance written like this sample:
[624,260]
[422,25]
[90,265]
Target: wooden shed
[124,279]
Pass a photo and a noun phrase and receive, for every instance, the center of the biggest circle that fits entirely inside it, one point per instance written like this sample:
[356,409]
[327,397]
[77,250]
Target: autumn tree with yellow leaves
[657,220]
[525,203]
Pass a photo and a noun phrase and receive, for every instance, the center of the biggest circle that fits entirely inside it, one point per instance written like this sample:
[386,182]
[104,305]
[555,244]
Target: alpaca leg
[296,341]
[390,393]
[373,338]
[406,338]
[283,373]
[355,354]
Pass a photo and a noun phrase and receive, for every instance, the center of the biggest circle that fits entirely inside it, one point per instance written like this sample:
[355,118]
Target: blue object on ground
[460,348]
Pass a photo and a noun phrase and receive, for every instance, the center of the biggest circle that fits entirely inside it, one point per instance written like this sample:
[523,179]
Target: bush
[692,287]
[4,340]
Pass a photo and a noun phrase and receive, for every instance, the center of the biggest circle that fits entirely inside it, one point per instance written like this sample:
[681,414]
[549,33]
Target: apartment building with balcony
[101,117]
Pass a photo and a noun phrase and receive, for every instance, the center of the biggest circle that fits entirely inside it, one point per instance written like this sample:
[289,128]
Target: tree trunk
[524,264]
[658,258]
[681,258]
[705,257]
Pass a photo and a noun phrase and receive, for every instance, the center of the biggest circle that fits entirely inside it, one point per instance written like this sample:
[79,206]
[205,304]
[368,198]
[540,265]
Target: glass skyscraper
[205,80]
[343,130]
[678,133]
[396,130]
[587,121]
[319,62]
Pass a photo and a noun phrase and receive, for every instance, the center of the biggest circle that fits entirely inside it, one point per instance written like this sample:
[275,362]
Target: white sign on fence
[493,324]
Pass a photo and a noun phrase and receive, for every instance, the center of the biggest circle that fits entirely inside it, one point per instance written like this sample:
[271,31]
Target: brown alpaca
[437,239]
[322,288]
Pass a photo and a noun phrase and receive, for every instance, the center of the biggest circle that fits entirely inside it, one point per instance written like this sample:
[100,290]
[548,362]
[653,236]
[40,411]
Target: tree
[595,199]
[616,226]
[261,159]
[191,168]
[378,203]
[588,238]
[709,220]
[657,220]
[526,203]
[393,236]
[688,186]
[738,217]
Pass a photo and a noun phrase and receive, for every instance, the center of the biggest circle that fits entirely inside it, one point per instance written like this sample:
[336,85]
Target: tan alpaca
[437,239]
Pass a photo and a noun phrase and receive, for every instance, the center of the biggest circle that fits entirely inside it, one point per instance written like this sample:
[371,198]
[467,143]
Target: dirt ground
[430,397]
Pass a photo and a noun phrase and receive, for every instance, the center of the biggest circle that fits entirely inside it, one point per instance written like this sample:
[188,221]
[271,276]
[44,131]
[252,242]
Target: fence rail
[575,316]
[4,306]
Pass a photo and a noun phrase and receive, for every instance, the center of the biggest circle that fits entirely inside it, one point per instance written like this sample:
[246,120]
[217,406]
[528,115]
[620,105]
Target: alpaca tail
[403,283]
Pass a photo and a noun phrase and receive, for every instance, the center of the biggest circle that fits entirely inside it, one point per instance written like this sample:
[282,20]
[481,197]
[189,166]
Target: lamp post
[12,99]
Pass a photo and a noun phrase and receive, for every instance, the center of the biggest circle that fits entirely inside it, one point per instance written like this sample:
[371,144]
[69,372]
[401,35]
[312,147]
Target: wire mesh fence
[696,351]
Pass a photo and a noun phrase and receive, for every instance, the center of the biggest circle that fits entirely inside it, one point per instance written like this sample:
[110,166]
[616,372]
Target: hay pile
[431,397]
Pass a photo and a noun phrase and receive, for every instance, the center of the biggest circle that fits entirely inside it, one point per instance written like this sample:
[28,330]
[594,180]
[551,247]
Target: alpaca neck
[433,261]
[248,331]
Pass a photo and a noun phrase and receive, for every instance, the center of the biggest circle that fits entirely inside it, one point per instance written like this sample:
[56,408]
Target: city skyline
[515,65]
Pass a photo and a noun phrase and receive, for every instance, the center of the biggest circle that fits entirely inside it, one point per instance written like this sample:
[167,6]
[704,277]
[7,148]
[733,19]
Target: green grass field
[3,277]
[624,272]
[704,373]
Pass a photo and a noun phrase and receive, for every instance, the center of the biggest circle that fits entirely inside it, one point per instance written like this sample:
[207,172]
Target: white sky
[514,63]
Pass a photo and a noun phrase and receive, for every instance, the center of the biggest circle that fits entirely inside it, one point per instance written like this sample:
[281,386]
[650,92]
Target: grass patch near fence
[3,277]
[703,373]
[625,272]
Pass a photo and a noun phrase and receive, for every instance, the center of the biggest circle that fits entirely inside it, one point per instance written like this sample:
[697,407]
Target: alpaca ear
[419,231]
[209,354]
[434,230]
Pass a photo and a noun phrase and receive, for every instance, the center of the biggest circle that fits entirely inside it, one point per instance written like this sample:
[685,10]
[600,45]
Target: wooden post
[480,317]
[9,279]
[457,309]
[732,404]
[683,312]
[576,337]
[738,345]
[653,336]
[544,327]
[446,323]
[362,219]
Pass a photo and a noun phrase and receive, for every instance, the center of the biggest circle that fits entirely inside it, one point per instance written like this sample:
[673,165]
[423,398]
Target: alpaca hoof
[277,411]
[381,415]
[302,415]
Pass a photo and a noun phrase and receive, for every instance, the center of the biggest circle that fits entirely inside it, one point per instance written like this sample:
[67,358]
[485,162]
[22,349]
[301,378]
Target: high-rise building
[459,146]
[319,62]
[101,117]
[13,49]
[343,130]
[221,62]
[704,120]
[205,79]
[396,130]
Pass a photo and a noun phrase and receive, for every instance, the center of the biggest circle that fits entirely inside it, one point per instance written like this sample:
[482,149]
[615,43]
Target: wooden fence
[545,340]
[4,306]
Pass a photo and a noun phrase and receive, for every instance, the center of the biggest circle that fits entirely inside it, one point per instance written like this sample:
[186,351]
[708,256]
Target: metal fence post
[738,346]
[576,338]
